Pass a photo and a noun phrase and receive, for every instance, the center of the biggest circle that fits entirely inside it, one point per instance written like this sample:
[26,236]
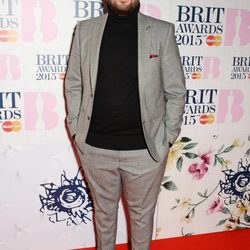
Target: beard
[122,9]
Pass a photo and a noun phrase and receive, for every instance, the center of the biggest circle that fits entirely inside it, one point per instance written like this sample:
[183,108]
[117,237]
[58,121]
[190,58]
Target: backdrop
[44,202]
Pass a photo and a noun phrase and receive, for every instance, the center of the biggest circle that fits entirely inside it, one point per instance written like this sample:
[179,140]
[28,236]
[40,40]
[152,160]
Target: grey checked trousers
[108,173]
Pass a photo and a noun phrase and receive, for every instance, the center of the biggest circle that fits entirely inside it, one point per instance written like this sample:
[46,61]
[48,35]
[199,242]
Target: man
[125,97]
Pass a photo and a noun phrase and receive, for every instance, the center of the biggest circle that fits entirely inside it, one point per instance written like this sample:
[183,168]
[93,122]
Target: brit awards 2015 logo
[210,106]
[212,26]
[10,111]
[196,25]
[29,111]
[38,23]
[9,67]
[201,67]
[240,68]
[87,9]
[51,67]
[9,22]
[200,106]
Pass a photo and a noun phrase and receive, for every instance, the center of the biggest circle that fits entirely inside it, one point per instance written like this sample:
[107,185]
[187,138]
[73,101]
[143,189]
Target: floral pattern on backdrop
[228,198]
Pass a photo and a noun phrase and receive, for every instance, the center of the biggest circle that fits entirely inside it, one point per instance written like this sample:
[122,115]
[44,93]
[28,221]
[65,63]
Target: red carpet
[231,240]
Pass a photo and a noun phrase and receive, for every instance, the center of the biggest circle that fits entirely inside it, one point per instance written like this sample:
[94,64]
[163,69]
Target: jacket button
[92,95]
[88,117]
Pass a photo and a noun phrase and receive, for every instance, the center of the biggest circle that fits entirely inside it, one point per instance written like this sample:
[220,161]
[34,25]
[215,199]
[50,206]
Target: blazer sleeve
[73,83]
[174,86]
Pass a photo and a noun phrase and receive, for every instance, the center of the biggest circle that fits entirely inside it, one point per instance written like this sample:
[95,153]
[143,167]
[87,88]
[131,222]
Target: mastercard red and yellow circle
[12,126]
[8,36]
[196,75]
[207,119]
[214,40]
[62,76]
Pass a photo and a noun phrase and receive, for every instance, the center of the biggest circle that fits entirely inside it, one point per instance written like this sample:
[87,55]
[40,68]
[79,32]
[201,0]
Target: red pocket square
[153,56]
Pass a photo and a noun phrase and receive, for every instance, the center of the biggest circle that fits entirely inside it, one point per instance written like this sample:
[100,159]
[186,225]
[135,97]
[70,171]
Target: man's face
[123,7]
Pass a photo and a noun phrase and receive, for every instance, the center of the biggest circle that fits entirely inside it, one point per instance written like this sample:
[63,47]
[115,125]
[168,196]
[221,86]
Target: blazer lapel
[96,38]
[144,43]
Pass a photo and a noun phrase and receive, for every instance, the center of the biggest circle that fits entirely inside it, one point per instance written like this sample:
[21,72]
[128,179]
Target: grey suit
[161,94]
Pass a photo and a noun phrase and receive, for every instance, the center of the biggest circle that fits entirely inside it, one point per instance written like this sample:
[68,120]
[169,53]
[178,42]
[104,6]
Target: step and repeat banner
[44,201]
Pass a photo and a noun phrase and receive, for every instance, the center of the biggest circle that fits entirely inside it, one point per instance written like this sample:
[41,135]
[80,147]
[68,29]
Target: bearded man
[125,93]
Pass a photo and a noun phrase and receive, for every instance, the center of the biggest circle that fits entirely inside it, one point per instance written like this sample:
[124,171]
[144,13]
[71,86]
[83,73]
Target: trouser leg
[141,178]
[102,173]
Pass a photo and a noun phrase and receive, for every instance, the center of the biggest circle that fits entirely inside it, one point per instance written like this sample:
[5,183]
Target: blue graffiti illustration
[237,184]
[69,202]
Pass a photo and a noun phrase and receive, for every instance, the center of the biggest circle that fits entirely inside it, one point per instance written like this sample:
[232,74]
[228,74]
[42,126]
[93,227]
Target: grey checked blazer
[160,79]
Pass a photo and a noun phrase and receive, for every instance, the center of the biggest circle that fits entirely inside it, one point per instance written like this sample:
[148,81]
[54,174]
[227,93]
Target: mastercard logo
[62,76]
[12,126]
[207,119]
[8,36]
[196,75]
[214,40]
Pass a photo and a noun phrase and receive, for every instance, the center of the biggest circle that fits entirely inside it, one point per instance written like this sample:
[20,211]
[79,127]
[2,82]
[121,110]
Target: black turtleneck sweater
[116,119]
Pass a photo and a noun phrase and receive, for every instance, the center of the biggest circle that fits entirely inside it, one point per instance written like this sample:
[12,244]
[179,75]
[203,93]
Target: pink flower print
[206,157]
[198,170]
[216,206]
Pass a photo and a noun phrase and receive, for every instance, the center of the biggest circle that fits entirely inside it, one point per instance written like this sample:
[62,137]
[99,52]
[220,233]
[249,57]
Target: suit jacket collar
[144,42]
